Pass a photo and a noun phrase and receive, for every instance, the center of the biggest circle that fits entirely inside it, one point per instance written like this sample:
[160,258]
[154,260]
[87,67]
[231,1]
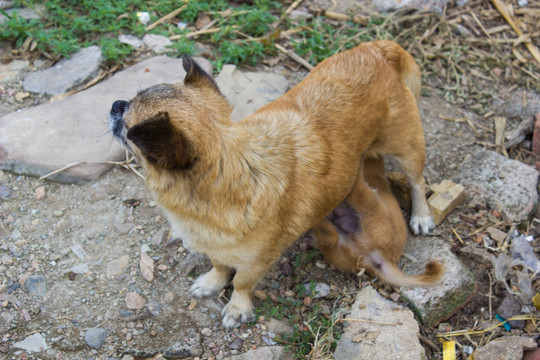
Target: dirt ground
[48,229]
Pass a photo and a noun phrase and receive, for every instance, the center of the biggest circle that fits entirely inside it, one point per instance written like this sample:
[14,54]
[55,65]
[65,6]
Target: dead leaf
[21,95]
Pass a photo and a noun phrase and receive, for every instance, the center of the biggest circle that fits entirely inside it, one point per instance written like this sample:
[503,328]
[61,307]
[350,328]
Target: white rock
[33,343]
[510,183]
[396,340]
[131,40]
[157,43]
[249,91]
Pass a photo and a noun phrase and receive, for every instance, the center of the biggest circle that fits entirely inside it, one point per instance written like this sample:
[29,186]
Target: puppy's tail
[389,272]
[404,63]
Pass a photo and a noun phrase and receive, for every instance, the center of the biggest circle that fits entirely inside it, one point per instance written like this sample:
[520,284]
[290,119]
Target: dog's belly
[217,245]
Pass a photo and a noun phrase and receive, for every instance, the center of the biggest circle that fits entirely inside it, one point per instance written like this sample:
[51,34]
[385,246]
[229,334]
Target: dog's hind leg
[412,164]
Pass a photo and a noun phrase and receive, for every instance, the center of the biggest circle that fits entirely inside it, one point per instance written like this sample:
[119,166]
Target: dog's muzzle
[116,125]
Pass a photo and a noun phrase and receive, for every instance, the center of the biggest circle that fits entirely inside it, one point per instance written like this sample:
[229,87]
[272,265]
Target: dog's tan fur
[243,192]
[380,239]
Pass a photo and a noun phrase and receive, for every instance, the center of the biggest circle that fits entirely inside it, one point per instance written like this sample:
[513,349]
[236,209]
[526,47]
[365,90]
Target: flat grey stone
[25,13]
[10,71]
[264,353]
[249,91]
[38,140]
[506,348]
[434,303]
[523,104]
[33,343]
[66,74]
[36,285]
[157,43]
[95,337]
[80,269]
[505,182]
[363,340]
[435,6]
[131,40]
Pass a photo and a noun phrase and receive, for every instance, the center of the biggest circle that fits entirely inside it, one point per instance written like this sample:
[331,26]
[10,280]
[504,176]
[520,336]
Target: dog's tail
[404,63]
[389,272]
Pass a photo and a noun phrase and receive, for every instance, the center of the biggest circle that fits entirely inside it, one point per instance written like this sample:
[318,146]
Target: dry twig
[295,57]
[169,16]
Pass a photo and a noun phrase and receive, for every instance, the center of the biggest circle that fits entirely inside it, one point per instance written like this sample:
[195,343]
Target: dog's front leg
[240,309]
[212,282]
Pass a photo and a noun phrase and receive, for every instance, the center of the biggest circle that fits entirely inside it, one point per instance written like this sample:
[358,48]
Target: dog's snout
[118,107]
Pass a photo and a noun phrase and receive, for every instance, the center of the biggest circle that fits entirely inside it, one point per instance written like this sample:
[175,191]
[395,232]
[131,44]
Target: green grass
[69,25]
[247,33]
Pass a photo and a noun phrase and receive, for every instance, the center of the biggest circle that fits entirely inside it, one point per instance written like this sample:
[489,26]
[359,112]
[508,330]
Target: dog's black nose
[118,107]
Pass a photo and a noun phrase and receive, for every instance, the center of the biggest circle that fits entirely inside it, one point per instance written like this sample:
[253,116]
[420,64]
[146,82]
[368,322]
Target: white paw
[207,285]
[422,224]
[234,316]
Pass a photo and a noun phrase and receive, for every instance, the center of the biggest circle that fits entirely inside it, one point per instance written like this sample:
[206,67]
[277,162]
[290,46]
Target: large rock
[38,140]
[66,74]
[432,304]
[506,348]
[249,91]
[505,182]
[395,337]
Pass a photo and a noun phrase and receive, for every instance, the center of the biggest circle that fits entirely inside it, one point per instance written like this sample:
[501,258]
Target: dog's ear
[162,144]
[196,76]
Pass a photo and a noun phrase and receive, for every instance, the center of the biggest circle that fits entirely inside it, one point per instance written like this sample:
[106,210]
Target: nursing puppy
[375,237]
[241,193]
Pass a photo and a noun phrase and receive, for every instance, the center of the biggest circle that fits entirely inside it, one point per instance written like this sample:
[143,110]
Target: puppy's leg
[412,164]
[240,308]
[212,282]
[327,240]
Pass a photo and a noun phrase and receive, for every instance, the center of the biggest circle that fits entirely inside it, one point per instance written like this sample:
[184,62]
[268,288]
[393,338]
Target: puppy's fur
[243,192]
[377,240]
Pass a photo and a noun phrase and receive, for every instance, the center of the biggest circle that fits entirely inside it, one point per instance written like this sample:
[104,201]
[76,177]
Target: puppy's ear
[162,144]
[196,76]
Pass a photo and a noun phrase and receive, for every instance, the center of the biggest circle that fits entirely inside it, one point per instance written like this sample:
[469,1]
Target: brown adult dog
[243,192]
[373,238]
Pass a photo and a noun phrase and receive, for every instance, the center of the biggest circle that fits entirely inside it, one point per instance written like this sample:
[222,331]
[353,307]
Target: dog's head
[164,124]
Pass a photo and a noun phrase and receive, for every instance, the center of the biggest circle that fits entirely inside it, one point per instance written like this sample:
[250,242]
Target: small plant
[316,338]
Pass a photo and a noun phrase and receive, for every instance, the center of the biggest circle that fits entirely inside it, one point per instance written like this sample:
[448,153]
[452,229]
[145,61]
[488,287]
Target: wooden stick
[68,166]
[357,19]
[169,16]
[293,6]
[371,322]
[501,7]
[198,32]
[294,56]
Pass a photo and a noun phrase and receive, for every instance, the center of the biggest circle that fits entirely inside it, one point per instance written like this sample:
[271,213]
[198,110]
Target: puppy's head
[165,124]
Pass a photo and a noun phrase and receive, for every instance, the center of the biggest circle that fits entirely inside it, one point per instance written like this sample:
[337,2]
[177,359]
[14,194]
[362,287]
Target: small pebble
[36,285]
[207,332]
[237,344]
[40,193]
[134,301]
[58,213]
[95,337]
